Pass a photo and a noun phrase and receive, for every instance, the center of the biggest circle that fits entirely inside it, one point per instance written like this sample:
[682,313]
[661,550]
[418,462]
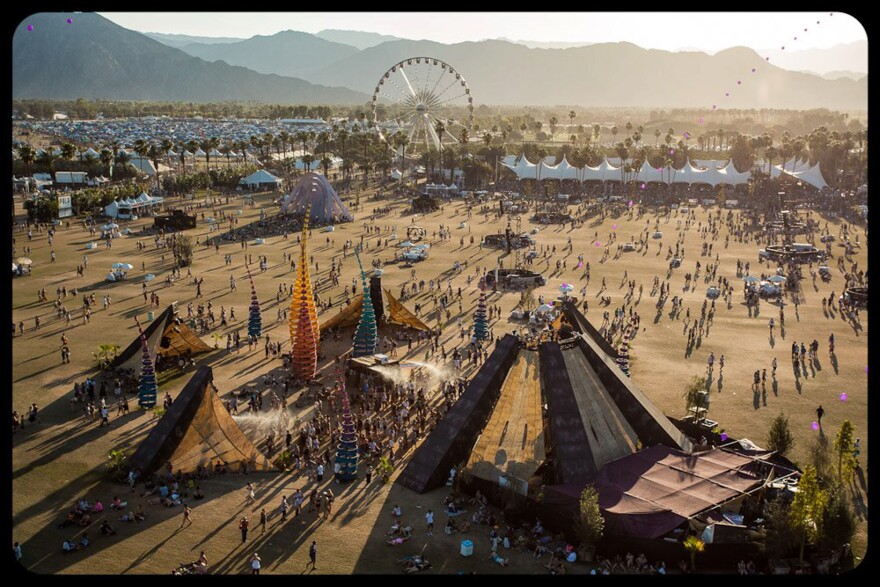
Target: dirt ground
[62,459]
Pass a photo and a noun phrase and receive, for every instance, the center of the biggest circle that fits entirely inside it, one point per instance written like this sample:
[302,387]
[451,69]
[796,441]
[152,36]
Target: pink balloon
[714,106]
[630,203]
[613,227]
[843,397]
[598,244]
[738,82]
[727,94]
[643,186]
[815,425]
[753,70]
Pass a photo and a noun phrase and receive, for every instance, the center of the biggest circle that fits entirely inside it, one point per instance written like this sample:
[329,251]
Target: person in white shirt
[429,520]
[255,564]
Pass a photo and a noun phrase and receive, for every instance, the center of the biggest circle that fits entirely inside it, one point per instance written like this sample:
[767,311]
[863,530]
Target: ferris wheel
[424,98]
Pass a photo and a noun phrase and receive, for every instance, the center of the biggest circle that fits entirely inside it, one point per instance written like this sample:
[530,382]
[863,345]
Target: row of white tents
[128,207]
[689,174]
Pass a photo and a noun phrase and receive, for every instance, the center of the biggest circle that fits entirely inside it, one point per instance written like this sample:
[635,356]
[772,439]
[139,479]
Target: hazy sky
[708,31]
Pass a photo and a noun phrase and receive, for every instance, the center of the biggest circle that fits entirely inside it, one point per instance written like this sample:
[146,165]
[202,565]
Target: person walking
[256,564]
[243,525]
[263,519]
[773,365]
[820,411]
[429,520]
[369,474]
[16,550]
[313,554]
[251,496]
[186,518]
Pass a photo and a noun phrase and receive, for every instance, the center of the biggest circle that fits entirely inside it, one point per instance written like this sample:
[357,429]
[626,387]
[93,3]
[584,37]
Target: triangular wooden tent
[166,335]
[347,316]
[398,314]
[197,429]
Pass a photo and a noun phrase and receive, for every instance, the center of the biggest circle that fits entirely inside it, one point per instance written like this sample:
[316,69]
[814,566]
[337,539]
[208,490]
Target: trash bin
[149,316]
[467,548]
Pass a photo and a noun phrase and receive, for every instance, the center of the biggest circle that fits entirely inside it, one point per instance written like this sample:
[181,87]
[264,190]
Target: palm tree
[571,116]
[325,163]
[284,137]
[597,132]
[141,146]
[440,128]
[105,354]
[226,149]
[154,152]
[629,127]
[303,137]
[656,137]
[166,145]
[721,137]
[342,135]
[614,131]
[307,160]
[523,128]
[47,159]
[67,152]
[106,159]
[487,138]
[553,122]
[464,137]
[623,153]
[27,154]
[122,159]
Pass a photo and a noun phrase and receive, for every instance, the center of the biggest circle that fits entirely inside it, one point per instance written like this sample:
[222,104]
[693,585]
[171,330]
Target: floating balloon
[701,120]
[598,244]
[843,397]
[643,186]
[671,152]
[687,135]
[714,106]
[753,70]
[630,203]
[30,27]
[727,94]
[723,437]
[613,227]
[815,425]
[739,82]
[69,21]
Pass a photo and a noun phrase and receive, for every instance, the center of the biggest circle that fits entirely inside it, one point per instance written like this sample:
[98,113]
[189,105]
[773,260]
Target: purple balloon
[630,203]
[723,437]
[643,186]
[672,151]
[815,425]
[613,227]
[727,94]
[739,82]
[714,106]
[69,21]
[843,397]
[598,244]
[30,27]
[753,70]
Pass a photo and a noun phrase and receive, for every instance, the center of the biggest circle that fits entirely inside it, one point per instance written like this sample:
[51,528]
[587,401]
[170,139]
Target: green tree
[571,116]
[693,545]
[843,450]
[820,455]
[590,525]
[183,250]
[105,354]
[553,125]
[28,155]
[779,437]
[808,508]
[780,540]
[67,153]
[117,460]
[693,393]
[838,521]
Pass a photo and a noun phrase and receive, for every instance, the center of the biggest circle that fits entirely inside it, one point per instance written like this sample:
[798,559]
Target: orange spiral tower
[304,332]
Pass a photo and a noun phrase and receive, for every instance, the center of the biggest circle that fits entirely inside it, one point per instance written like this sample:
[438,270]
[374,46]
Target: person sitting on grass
[98,507]
[197,493]
[118,505]
[556,566]
[107,529]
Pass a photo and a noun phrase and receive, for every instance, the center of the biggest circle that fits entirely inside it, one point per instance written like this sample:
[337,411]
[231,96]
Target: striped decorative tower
[255,319]
[365,337]
[481,323]
[148,390]
[304,333]
[347,449]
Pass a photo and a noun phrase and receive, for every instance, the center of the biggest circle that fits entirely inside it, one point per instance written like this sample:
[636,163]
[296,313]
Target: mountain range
[98,59]
[95,58]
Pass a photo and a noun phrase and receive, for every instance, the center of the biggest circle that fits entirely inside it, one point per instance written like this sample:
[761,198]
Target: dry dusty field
[61,459]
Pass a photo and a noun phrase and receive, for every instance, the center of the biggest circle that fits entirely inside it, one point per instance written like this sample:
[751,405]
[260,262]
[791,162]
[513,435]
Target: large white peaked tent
[261,179]
[325,205]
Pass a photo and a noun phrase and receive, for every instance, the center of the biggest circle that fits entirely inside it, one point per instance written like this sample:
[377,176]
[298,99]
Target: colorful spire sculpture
[365,337]
[255,319]
[304,331]
[347,449]
[481,323]
[148,390]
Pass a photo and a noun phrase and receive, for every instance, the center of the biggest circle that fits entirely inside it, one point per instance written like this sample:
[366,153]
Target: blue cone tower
[481,322]
[255,319]
[366,335]
[347,449]
[148,390]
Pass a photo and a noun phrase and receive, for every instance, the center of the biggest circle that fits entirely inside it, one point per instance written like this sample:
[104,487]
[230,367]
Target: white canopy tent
[261,179]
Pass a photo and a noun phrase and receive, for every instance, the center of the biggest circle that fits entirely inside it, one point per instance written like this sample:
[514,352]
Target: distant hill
[607,74]
[359,39]
[288,53]
[178,41]
[99,59]
[846,56]
[544,44]
[839,74]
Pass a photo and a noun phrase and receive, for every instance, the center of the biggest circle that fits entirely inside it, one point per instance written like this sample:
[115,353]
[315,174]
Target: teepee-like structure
[304,331]
[365,337]
[481,323]
[255,319]
[148,390]
[347,449]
